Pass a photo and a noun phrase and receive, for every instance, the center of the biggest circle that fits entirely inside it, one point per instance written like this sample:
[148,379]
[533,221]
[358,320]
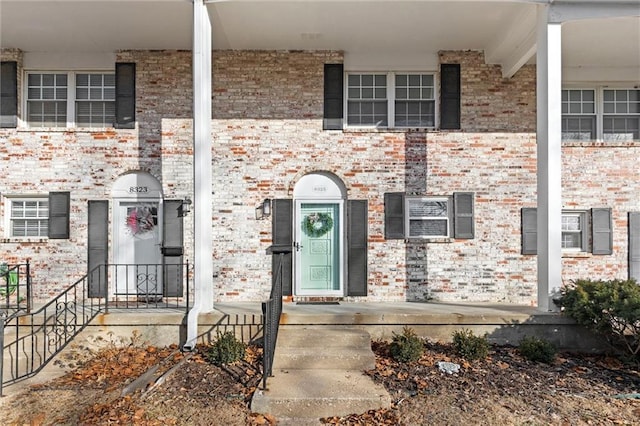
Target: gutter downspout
[202,172]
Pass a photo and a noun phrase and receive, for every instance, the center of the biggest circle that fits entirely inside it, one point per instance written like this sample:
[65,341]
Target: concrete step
[322,337]
[350,358]
[311,394]
[323,348]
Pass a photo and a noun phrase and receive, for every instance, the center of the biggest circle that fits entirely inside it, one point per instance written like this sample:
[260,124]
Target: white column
[202,169]
[549,157]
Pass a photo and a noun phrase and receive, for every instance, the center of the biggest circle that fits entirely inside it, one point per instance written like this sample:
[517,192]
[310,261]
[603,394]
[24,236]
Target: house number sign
[138,189]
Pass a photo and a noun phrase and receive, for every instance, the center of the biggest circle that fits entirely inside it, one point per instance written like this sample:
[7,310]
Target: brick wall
[267,134]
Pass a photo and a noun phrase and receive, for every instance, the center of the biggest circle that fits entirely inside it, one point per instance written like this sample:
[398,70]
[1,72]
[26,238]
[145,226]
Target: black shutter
[98,243]
[59,205]
[394,215]
[634,246]
[463,220]
[172,248]
[357,236]
[282,235]
[333,96]
[601,228]
[9,94]
[529,230]
[450,96]
[125,95]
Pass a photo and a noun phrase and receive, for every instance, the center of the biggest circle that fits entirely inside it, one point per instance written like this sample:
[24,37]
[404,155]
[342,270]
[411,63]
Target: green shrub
[539,350]
[610,308]
[469,346]
[406,347]
[226,349]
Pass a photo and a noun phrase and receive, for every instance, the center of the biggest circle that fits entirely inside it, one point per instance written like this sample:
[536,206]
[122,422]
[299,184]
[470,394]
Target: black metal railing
[139,286]
[271,312]
[28,341]
[15,289]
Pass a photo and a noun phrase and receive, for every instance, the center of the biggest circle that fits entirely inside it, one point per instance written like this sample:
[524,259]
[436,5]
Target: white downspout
[202,171]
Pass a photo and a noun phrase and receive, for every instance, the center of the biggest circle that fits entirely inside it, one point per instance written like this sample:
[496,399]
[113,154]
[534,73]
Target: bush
[539,350]
[226,349]
[610,308]
[406,347]
[469,346]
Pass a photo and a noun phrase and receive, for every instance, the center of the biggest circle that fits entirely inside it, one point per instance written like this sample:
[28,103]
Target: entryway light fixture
[185,207]
[264,209]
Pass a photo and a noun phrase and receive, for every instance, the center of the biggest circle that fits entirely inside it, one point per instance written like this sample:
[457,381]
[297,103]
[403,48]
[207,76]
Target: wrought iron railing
[28,341]
[271,312]
[15,291]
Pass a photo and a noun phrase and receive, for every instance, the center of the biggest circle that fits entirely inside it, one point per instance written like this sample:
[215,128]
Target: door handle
[297,246]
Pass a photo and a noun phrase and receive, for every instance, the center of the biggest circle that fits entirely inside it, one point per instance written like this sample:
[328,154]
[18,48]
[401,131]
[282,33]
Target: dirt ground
[504,389]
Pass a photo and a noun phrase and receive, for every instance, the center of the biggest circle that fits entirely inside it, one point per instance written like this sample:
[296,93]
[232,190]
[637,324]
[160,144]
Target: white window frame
[409,217]
[583,231]
[71,99]
[599,91]
[391,98]
[8,216]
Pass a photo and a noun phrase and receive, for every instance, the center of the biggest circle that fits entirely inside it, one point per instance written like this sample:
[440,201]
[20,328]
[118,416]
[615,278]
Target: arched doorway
[137,235]
[319,236]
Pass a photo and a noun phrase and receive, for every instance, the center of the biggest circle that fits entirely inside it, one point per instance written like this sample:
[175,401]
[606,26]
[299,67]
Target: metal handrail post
[106,288]
[29,294]
[2,317]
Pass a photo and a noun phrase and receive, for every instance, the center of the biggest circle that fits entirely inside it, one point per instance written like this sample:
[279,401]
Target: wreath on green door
[317,224]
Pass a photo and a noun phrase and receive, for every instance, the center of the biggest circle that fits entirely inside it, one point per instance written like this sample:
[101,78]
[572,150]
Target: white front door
[137,248]
[318,248]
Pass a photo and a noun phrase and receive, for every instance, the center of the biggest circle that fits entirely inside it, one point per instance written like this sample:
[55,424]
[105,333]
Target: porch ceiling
[505,30]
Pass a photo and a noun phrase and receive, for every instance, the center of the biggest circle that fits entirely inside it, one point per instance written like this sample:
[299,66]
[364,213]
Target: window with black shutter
[575,228]
[413,216]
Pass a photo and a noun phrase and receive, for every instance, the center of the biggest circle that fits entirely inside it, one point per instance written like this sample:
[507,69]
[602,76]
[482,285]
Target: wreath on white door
[317,224]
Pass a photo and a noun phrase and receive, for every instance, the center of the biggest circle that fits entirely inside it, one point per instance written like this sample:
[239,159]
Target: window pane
[428,228]
[571,240]
[353,80]
[571,223]
[82,79]
[48,79]
[620,128]
[608,96]
[82,93]
[578,128]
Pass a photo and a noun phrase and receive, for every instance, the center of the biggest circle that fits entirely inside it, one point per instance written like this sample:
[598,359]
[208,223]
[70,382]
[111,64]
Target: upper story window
[621,114]
[607,114]
[391,100]
[70,99]
[427,217]
[28,217]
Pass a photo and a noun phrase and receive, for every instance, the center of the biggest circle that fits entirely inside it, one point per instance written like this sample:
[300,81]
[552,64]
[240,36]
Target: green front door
[318,249]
